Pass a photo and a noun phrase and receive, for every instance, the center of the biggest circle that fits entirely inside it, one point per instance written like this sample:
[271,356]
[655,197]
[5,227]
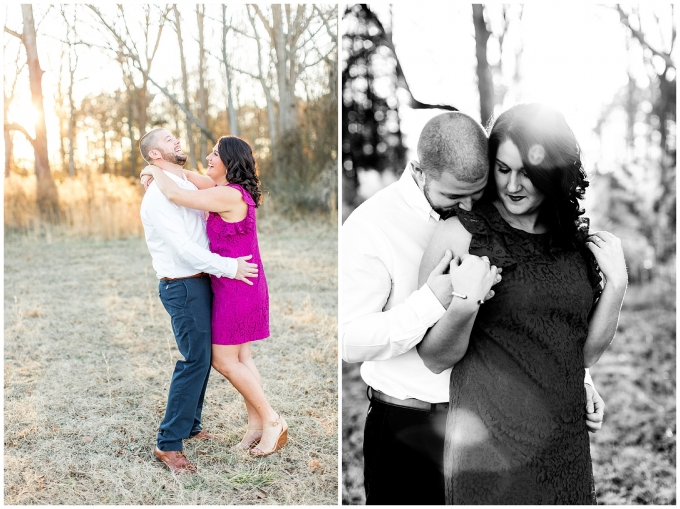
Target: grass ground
[634,453]
[88,357]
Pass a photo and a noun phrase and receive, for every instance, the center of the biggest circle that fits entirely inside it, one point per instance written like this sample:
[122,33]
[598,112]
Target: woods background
[612,71]
[83,83]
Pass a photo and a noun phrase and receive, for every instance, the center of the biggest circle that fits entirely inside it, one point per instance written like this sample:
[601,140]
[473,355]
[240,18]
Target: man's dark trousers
[189,303]
[404,456]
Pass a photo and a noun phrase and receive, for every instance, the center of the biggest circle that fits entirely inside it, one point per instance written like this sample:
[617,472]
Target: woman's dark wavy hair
[558,175]
[242,168]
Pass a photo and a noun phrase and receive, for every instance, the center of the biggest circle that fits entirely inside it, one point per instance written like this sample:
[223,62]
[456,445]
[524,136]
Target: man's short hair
[456,143]
[149,142]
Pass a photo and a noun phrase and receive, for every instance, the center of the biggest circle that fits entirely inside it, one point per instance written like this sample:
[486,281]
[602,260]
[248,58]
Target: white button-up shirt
[176,237]
[383,314]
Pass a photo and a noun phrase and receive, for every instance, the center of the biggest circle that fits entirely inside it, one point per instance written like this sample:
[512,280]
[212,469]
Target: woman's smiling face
[516,192]
[216,169]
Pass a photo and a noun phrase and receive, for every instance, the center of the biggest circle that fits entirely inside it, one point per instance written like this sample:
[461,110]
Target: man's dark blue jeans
[189,303]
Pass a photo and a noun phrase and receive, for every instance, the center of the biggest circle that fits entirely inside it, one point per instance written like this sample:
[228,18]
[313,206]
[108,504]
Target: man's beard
[174,158]
[444,213]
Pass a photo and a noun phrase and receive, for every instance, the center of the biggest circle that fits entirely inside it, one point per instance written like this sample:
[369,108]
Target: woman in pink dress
[230,193]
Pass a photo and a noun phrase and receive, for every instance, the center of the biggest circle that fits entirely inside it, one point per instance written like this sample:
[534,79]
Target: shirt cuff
[232,267]
[426,306]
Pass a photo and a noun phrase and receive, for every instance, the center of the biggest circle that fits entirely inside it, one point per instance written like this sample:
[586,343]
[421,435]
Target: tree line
[638,195]
[291,65]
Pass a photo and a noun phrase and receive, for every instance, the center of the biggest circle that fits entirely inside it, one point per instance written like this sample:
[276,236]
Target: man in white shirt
[178,245]
[384,315]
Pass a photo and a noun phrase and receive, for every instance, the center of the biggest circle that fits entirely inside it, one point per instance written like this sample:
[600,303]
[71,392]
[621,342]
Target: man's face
[168,148]
[447,193]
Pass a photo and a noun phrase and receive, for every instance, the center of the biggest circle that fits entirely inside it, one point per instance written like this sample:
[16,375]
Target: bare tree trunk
[60,109]
[202,92]
[266,89]
[8,151]
[286,72]
[72,62]
[233,125]
[131,133]
[484,78]
[185,88]
[47,197]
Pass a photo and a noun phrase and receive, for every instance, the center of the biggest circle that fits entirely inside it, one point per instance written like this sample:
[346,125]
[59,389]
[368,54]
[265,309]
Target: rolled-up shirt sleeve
[168,223]
[368,332]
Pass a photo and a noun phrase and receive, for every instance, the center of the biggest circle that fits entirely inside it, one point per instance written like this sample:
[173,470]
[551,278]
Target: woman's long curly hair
[242,168]
[551,157]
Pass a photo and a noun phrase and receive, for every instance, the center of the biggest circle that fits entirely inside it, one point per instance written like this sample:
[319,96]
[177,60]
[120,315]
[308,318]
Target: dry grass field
[634,453]
[88,356]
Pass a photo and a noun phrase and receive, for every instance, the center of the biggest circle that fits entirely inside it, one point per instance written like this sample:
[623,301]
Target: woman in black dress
[516,430]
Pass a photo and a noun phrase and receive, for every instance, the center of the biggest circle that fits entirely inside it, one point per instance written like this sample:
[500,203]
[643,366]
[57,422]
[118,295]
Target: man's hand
[594,409]
[440,282]
[146,176]
[245,269]
[146,181]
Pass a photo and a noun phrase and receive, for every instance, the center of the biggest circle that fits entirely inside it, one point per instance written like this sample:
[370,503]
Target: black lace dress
[516,430]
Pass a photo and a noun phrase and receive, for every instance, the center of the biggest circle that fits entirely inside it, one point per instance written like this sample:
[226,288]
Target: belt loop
[433,409]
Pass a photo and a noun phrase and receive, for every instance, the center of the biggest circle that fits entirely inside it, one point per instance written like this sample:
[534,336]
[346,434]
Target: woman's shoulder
[451,234]
[238,191]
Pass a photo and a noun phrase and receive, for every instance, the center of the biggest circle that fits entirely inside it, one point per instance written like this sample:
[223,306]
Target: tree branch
[17,127]
[181,106]
[641,38]
[415,104]
[15,34]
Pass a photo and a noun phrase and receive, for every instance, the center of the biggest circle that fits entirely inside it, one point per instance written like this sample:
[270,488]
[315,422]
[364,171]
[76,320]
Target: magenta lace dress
[516,430]
[240,312]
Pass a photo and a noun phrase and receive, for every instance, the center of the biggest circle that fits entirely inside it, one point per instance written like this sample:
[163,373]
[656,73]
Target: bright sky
[575,58]
[97,73]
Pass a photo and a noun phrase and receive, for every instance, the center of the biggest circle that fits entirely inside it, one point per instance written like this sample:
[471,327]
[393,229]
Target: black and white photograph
[507,254]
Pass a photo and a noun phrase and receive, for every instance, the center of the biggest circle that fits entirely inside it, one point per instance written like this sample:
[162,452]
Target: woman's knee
[223,364]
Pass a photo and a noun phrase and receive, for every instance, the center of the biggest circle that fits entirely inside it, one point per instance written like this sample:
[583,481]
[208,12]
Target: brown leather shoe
[204,435]
[176,461]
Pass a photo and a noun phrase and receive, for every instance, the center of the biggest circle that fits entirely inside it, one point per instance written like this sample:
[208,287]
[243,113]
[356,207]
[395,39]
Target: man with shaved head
[384,315]
[178,245]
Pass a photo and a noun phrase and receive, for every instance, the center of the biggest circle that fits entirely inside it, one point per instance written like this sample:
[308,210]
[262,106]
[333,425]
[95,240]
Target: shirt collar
[414,196]
[175,177]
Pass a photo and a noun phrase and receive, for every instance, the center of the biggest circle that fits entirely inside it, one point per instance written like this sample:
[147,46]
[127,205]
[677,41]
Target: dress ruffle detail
[224,229]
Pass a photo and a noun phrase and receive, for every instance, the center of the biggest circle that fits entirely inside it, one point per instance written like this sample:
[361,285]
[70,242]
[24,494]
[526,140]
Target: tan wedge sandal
[244,446]
[280,442]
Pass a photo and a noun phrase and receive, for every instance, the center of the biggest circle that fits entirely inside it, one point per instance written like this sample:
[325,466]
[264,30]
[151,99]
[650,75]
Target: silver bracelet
[463,296]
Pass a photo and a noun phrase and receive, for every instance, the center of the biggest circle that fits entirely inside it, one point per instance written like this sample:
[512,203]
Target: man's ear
[154,153]
[418,172]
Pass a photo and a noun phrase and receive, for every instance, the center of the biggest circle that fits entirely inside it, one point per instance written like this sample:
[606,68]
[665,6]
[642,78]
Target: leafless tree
[202,91]
[185,85]
[47,196]
[9,91]
[233,124]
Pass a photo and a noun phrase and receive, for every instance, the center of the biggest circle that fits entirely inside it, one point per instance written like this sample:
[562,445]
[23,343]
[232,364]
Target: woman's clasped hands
[473,276]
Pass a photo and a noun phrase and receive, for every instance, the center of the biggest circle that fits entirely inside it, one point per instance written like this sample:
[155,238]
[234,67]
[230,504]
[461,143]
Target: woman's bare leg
[254,432]
[226,360]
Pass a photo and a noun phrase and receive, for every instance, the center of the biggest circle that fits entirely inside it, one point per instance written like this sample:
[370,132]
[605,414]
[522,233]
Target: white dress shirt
[383,314]
[176,237]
